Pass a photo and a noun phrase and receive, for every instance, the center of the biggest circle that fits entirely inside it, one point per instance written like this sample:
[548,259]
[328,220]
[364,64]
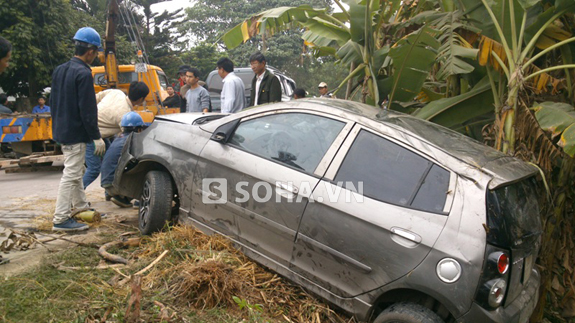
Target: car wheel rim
[145,204]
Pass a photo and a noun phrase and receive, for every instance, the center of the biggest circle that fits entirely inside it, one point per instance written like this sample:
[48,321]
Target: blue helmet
[132,119]
[88,35]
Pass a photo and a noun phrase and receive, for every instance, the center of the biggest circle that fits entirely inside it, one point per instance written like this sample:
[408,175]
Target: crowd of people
[93,128]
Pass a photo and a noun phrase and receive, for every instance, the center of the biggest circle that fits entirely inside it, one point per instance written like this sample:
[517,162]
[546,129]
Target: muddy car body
[384,215]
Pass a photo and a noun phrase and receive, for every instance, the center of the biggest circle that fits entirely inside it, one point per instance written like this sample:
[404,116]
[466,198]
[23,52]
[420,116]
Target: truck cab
[153,76]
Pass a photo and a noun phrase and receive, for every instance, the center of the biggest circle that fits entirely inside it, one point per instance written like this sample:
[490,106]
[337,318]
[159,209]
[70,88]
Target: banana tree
[515,58]
[355,37]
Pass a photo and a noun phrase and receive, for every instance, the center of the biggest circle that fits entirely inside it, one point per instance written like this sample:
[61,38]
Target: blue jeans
[93,163]
[111,159]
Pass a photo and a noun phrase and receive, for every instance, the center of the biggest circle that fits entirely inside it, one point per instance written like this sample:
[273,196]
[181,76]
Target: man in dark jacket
[266,86]
[75,124]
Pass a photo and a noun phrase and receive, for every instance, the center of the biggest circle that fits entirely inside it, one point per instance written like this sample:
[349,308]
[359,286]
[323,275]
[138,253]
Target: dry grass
[206,272]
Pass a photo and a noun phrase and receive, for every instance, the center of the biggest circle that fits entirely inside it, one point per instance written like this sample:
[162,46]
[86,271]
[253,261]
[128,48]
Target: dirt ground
[26,208]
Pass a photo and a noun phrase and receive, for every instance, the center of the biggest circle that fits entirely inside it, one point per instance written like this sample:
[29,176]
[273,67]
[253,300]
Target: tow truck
[30,135]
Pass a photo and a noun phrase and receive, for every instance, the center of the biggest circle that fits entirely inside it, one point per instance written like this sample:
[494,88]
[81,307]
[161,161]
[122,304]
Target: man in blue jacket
[131,122]
[74,124]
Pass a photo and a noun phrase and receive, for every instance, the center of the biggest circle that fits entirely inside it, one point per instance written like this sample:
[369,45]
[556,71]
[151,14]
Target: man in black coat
[266,86]
[74,125]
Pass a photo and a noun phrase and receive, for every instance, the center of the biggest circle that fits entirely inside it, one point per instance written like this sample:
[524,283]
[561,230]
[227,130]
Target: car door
[256,185]
[374,216]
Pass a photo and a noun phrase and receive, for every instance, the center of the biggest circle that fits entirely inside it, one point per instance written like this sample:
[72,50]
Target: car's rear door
[374,216]
[256,186]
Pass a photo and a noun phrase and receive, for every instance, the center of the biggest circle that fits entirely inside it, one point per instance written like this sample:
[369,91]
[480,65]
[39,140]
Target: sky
[171,5]
[176,4]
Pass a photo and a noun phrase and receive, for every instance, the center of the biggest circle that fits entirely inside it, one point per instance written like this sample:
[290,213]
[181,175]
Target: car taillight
[494,278]
[496,292]
[502,263]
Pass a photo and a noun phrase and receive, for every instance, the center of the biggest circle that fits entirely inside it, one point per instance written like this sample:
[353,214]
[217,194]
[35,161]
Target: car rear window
[390,173]
[513,214]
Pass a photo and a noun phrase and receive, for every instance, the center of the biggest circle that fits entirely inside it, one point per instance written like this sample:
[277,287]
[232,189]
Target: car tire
[408,313]
[155,202]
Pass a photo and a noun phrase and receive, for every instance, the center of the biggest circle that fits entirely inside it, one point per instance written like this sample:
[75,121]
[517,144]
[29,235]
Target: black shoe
[121,201]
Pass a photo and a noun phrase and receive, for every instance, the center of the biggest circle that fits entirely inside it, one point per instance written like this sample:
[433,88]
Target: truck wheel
[407,313]
[155,202]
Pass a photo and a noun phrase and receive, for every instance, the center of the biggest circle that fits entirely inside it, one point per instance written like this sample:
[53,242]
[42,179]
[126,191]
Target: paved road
[27,203]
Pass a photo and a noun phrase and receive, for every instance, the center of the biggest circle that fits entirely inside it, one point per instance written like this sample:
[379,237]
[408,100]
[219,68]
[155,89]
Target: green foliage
[208,20]
[203,57]
[254,310]
[559,120]
[41,34]
[315,71]
[455,112]
[413,57]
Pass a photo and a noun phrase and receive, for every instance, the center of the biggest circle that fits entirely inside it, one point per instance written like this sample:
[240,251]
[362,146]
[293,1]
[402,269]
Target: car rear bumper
[519,311]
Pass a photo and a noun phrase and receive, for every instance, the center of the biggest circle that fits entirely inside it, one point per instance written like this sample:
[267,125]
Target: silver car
[386,216]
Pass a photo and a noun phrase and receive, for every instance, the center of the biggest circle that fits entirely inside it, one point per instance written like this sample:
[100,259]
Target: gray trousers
[71,190]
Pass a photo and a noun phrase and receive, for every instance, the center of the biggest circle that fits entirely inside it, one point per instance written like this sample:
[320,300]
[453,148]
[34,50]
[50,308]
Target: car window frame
[346,146]
[330,153]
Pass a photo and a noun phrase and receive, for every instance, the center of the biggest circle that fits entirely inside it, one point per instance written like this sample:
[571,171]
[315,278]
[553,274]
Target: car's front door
[265,174]
[374,216]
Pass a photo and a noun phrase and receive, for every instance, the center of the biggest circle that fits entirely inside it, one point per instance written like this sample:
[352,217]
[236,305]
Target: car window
[390,173]
[299,140]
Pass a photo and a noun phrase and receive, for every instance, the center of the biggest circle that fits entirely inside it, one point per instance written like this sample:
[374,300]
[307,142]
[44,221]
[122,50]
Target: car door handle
[290,188]
[405,237]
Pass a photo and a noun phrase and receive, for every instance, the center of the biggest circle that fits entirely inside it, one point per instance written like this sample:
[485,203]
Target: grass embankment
[200,279]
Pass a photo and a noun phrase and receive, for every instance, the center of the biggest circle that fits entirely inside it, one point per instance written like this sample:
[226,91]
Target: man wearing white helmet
[75,124]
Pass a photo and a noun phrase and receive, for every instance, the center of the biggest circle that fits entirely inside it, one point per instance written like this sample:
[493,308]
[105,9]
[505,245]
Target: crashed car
[388,217]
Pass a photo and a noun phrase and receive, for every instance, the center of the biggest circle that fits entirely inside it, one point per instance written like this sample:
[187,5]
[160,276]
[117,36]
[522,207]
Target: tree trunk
[350,82]
[34,89]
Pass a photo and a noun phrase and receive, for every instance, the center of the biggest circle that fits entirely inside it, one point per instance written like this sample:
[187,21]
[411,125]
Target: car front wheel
[155,202]
[408,313]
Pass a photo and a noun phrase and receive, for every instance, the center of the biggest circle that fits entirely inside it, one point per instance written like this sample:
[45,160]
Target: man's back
[73,103]
[233,94]
[112,105]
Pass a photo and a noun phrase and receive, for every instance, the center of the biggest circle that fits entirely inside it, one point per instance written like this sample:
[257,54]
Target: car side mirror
[225,132]
[219,137]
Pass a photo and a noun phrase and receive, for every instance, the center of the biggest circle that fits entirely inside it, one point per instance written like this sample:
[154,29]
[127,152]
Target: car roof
[503,168]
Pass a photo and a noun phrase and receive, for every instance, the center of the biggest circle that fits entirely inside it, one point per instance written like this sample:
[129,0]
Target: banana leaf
[413,57]
[458,110]
[323,33]
[559,119]
[273,20]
